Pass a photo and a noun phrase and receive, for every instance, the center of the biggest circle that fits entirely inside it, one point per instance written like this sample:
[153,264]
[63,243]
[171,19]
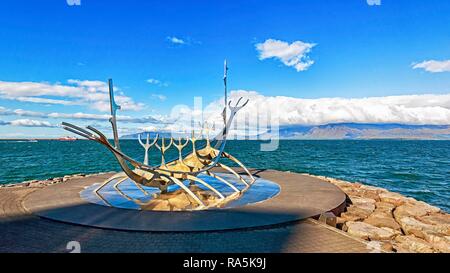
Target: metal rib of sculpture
[184,167]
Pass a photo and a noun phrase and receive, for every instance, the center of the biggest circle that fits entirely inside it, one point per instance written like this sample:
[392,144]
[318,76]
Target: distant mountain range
[351,131]
[366,131]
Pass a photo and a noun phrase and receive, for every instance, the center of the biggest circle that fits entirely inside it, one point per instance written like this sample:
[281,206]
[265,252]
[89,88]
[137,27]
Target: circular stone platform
[260,191]
[300,197]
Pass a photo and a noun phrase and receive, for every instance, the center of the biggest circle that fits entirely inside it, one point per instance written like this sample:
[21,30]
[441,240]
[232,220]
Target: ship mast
[225,72]
[114,107]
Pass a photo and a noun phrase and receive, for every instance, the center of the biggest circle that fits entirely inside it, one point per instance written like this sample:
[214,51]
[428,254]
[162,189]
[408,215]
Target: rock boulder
[436,219]
[392,197]
[383,206]
[412,226]
[441,244]
[414,209]
[414,244]
[381,220]
[368,232]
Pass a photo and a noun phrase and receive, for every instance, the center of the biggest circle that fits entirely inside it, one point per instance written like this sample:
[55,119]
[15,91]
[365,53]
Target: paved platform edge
[293,204]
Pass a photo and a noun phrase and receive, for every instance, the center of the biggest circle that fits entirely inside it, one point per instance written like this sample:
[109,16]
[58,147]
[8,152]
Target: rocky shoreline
[47,182]
[389,221]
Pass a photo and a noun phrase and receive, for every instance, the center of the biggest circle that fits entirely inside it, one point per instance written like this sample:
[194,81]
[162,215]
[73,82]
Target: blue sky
[358,51]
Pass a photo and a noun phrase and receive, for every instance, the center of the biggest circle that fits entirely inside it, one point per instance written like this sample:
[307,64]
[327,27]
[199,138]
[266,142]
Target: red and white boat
[67,138]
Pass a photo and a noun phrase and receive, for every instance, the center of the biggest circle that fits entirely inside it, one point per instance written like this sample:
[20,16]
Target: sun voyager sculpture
[183,171]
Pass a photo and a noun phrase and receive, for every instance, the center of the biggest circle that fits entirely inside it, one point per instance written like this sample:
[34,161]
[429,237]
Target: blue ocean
[420,169]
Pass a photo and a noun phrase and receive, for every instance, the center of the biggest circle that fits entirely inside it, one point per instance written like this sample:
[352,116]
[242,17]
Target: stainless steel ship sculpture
[186,167]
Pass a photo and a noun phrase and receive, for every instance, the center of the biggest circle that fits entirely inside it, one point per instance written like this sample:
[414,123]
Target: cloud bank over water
[431,109]
[406,109]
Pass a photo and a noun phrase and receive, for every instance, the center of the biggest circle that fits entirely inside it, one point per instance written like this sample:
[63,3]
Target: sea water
[416,168]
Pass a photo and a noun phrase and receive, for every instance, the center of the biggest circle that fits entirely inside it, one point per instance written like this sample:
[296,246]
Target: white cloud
[149,129]
[83,116]
[92,86]
[292,55]
[159,97]
[176,40]
[19,112]
[93,94]
[405,109]
[78,115]
[433,66]
[27,123]
[44,100]
[157,82]
[153,81]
